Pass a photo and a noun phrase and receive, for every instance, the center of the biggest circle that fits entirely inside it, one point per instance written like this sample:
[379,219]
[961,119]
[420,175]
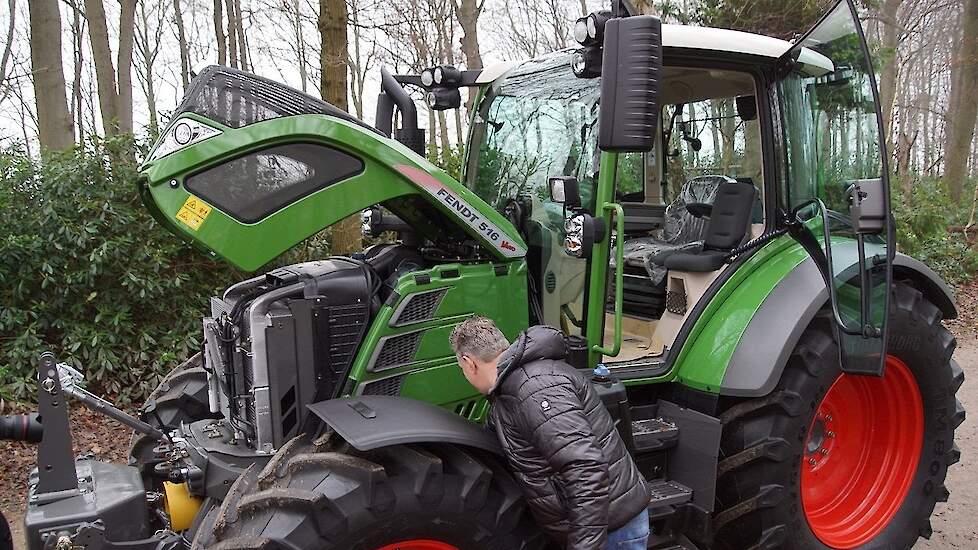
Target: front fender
[373,421]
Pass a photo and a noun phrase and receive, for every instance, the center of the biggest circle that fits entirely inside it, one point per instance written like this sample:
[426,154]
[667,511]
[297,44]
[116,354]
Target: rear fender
[759,358]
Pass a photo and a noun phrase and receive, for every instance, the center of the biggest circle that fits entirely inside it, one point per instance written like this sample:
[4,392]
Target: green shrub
[86,273]
[924,217]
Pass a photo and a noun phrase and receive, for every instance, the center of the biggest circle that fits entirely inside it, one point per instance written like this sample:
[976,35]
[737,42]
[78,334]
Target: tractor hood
[248,168]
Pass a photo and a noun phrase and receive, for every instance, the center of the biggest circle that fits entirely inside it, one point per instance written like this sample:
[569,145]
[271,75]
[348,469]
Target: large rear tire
[180,397]
[409,497]
[831,460]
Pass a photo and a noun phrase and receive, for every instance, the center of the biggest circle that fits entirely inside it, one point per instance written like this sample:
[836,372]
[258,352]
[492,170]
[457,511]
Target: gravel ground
[953,522]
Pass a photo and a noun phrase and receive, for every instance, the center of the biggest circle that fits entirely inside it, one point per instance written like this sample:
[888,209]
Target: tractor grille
[396,351]
[418,307]
[387,386]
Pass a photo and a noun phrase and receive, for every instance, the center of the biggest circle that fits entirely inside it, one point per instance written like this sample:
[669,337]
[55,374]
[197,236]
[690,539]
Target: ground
[953,522]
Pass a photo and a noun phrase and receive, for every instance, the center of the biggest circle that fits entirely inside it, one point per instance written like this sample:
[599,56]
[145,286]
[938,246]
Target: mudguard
[372,421]
[759,358]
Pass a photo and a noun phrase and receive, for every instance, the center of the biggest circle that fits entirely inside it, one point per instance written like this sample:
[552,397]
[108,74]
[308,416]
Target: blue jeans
[634,535]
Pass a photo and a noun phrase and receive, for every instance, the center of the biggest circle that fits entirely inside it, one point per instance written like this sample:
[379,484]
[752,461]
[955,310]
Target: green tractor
[703,212]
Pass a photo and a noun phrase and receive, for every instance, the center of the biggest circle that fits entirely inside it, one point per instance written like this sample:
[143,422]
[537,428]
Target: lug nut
[830,434]
[812,461]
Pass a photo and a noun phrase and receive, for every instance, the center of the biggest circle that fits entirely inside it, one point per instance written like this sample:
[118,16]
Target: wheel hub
[861,454]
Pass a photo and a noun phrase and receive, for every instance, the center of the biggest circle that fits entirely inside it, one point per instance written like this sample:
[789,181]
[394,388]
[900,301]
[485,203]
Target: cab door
[837,184]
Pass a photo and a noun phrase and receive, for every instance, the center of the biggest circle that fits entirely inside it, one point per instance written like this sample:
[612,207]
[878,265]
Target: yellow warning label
[193,212]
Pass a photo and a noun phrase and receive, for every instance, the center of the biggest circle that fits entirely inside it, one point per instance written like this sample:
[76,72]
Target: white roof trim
[725,40]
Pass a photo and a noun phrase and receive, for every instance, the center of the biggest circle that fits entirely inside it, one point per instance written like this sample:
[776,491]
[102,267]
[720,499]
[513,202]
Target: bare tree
[8,45]
[148,41]
[962,115]
[78,60]
[114,84]
[222,44]
[54,123]
[182,44]
[333,57]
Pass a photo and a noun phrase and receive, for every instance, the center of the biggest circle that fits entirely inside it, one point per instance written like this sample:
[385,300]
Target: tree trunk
[222,45]
[232,35]
[888,76]
[53,122]
[127,28]
[346,237]
[300,44]
[242,42]
[468,12]
[78,42]
[182,42]
[961,121]
[8,45]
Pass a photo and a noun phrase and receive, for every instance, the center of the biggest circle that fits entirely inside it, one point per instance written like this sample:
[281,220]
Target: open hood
[248,168]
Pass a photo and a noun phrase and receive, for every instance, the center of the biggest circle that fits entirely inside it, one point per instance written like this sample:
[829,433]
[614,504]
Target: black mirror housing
[630,83]
[565,190]
[867,206]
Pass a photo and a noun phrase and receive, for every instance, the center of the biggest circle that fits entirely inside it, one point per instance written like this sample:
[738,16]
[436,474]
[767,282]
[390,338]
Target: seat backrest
[682,227]
[731,216]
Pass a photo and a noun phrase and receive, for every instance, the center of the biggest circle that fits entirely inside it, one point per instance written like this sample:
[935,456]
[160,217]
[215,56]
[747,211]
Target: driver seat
[725,230]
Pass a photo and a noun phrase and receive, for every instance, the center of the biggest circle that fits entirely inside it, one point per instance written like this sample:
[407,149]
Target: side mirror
[867,206]
[631,70]
[564,190]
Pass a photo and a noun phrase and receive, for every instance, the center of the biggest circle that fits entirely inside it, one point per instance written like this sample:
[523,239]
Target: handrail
[619,260]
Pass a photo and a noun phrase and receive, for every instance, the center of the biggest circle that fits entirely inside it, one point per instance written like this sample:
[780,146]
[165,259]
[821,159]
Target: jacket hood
[533,344]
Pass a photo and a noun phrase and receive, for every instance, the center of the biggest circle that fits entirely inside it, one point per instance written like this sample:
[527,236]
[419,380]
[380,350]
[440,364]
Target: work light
[446,75]
[580,30]
[441,99]
[586,62]
[427,78]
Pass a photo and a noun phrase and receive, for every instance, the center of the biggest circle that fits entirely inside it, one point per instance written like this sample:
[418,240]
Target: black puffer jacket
[576,474]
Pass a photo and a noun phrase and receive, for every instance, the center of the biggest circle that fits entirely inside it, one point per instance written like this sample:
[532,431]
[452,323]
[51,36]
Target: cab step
[660,543]
[654,434]
[668,493]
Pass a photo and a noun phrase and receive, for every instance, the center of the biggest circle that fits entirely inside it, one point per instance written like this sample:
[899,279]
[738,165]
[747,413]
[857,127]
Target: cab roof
[727,41]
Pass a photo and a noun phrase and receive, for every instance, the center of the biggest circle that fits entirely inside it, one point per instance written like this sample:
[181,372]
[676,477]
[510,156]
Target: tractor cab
[740,116]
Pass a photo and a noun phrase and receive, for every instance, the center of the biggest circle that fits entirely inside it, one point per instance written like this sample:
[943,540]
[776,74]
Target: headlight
[427,78]
[438,75]
[182,133]
[365,218]
[574,236]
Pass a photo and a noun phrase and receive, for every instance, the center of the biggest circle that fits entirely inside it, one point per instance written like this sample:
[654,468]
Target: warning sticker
[465,212]
[193,212]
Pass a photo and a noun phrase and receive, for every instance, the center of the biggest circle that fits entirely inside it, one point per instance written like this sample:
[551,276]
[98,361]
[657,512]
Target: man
[578,479]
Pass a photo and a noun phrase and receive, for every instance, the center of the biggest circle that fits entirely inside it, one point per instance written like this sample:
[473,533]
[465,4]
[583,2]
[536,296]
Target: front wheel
[405,497]
[831,460]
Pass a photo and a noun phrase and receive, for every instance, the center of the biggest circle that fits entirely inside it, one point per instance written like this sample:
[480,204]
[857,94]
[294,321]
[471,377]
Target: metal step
[654,434]
[668,493]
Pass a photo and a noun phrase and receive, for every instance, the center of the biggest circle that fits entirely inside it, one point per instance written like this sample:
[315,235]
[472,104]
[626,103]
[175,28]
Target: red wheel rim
[861,454]
[419,544]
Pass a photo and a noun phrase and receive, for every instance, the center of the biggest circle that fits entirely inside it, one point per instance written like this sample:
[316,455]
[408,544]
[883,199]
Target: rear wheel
[833,460]
[406,497]
[180,397]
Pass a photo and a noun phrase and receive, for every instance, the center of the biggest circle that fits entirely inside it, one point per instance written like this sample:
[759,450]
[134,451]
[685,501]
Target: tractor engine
[278,342]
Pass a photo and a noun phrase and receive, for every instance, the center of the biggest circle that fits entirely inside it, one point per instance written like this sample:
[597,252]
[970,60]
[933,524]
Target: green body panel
[497,291]
[703,360]
[715,334]
[390,170]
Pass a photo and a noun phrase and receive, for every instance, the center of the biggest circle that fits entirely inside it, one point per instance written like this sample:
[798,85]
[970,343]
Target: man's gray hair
[478,337]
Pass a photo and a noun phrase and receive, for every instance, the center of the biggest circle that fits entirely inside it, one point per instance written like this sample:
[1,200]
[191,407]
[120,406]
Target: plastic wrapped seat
[683,232]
